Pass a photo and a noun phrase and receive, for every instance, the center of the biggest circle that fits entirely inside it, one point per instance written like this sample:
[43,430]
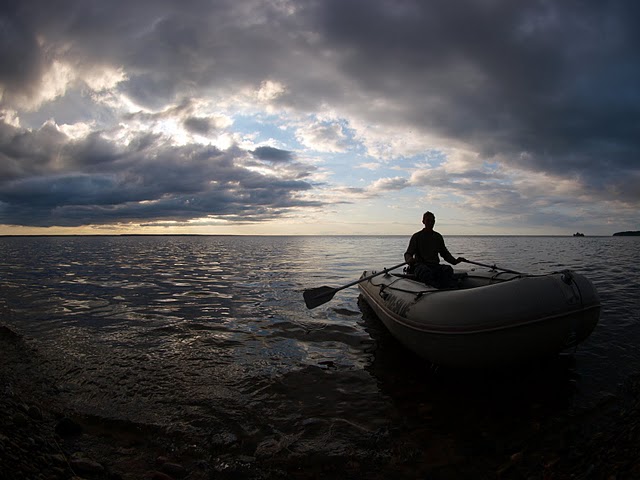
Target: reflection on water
[210,335]
[471,413]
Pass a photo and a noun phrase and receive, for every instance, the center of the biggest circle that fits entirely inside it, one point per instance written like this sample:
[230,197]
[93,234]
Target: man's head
[429,220]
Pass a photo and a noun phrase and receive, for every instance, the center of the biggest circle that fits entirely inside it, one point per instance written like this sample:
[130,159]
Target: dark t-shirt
[426,245]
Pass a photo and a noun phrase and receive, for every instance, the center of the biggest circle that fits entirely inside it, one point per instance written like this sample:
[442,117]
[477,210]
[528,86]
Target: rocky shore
[42,439]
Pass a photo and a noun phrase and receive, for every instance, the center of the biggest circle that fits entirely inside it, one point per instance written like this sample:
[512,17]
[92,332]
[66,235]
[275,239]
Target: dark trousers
[436,275]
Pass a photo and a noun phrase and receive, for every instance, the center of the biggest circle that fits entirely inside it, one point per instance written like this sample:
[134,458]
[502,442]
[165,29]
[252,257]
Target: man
[422,255]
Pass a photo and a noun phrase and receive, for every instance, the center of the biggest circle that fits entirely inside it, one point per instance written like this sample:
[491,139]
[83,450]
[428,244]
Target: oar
[492,267]
[314,297]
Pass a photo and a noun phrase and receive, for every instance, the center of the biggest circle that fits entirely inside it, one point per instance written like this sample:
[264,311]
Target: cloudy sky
[319,116]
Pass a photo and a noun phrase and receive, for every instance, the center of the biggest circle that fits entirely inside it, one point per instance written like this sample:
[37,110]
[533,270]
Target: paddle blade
[314,297]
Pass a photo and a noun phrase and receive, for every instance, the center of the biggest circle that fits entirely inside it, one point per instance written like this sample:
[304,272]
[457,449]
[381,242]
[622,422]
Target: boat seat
[410,276]
[457,276]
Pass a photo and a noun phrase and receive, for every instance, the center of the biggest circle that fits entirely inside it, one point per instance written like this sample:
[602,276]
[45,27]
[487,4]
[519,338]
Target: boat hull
[493,320]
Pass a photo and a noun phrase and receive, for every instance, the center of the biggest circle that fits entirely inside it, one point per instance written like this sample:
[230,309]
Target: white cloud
[77,131]
[369,165]
[388,141]
[104,77]
[60,76]
[53,83]
[323,137]
[389,184]
[269,91]
[10,117]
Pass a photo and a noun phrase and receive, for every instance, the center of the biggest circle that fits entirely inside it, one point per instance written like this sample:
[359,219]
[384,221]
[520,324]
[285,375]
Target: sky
[346,117]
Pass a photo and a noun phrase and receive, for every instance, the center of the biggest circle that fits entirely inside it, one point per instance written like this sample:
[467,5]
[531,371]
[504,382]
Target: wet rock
[126,451]
[68,428]
[85,465]
[56,458]
[246,459]
[159,476]
[223,440]
[268,447]
[20,420]
[34,412]
[57,472]
[6,332]
[173,469]
[8,391]
[202,464]
[517,457]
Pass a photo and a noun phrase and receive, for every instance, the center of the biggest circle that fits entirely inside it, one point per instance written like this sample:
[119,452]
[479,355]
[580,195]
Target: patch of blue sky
[490,166]
[430,158]
[343,167]
[435,158]
[265,130]
[349,132]
[349,167]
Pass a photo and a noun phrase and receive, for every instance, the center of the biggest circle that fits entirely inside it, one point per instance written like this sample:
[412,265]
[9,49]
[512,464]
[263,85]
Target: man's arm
[446,255]
[409,255]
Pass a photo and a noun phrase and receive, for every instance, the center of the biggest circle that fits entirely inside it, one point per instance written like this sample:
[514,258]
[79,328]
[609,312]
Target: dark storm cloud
[272,154]
[546,86]
[92,182]
[198,125]
[20,56]
[24,153]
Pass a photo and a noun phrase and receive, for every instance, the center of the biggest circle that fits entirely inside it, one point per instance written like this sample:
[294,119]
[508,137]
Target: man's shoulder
[427,236]
[427,233]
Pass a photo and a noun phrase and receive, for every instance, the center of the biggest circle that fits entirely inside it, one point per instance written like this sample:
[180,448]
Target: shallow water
[210,335]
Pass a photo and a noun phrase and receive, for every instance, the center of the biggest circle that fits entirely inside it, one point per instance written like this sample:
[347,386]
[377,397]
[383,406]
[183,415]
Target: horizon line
[22,235]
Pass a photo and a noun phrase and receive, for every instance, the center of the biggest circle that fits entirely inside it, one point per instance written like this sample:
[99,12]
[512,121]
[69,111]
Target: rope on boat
[420,293]
[390,286]
[571,341]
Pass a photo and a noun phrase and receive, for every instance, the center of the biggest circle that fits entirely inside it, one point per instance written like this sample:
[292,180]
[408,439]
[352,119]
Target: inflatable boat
[489,318]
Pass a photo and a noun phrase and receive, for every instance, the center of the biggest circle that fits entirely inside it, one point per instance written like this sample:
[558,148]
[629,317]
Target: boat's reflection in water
[446,417]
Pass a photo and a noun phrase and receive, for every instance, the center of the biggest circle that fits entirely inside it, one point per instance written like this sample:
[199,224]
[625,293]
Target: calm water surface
[209,335]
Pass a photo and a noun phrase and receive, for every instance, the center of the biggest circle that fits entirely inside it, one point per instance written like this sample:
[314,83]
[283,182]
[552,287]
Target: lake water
[210,336]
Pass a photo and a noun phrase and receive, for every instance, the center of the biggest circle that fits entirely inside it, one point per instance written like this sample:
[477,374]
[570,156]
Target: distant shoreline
[634,233]
[98,235]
